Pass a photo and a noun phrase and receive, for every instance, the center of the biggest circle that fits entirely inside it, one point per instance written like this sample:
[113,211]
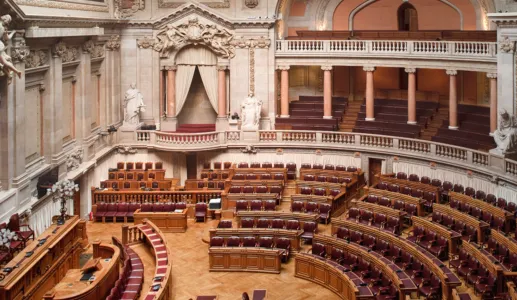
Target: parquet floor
[190,276]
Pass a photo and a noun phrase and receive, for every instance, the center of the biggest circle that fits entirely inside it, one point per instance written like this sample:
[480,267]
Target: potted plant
[64,191]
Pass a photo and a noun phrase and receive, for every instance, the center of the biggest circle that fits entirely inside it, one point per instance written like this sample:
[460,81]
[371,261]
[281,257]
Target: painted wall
[298,8]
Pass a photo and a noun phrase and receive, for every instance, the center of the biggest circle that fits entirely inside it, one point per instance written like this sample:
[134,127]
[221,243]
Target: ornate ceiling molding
[64,5]
[174,4]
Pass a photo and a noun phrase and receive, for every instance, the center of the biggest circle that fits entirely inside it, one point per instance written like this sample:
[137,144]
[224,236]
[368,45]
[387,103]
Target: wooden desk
[301,217]
[452,236]
[397,196]
[358,175]
[194,184]
[510,243]
[328,186]
[110,196]
[330,276]
[166,221]
[70,287]
[293,235]
[39,273]
[412,184]
[480,226]
[376,208]
[397,276]
[447,277]
[244,259]
[508,217]
[271,171]
[489,262]
[229,201]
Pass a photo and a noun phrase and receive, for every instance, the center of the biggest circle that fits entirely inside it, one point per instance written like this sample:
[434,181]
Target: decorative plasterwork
[59,49]
[20,51]
[173,4]
[193,32]
[251,3]
[368,69]
[71,54]
[63,5]
[36,58]
[74,159]
[258,42]
[113,43]
[252,69]
[124,13]
[410,70]
[98,51]
[506,45]
[145,43]
[88,46]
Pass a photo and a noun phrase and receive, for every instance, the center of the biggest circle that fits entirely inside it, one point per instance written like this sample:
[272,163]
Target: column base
[284,116]
[411,122]
[369,119]
[328,117]
[453,127]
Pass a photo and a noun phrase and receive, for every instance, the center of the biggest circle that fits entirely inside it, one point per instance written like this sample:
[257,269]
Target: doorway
[77,203]
[407,17]
[374,168]
[191,166]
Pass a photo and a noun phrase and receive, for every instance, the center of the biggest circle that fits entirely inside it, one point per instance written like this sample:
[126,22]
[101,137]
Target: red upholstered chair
[414,178]
[329,167]
[127,184]
[284,244]
[321,178]
[122,209]
[277,224]
[311,208]
[324,210]
[99,213]
[280,165]
[227,165]
[247,223]
[340,168]
[243,165]
[401,175]
[278,176]
[305,166]
[263,223]
[425,180]
[130,166]
[267,165]
[255,165]
[217,165]
[120,165]
[121,175]
[249,241]
[251,176]
[148,166]
[103,185]
[241,205]
[261,189]
[266,242]
[319,191]
[469,191]
[351,169]
[111,211]
[305,190]
[201,211]
[406,190]
[297,206]
[152,175]
[154,185]
[235,189]
[217,241]
[214,176]
[206,166]
[333,179]
[292,225]
[309,177]
[256,205]
[317,166]
[181,205]
[140,176]
[248,189]
[139,166]
[14,245]
[147,207]
[132,207]
[224,175]
[225,224]
[458,188]
[270,205]
[266,176]
[319,250]
[114,185]
[309,229]
[238,176]
[204,175]
[158,207]
[5,255]
[158,165]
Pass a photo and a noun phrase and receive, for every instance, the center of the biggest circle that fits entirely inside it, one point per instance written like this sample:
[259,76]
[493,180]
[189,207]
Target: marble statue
[250,113]
[506,134]
[133,106]
[6,63]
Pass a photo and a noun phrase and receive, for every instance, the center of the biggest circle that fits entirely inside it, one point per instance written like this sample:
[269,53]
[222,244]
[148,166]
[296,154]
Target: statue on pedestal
[506,134]
[6,63]
[250,113]
[133,105]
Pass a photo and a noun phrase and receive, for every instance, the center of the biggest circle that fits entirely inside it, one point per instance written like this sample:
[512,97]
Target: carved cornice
[145,43]
[98,51]
[36,58]
[451,72]
[71,54]
[253,42]
[113,43]
[173,4]
[64,5]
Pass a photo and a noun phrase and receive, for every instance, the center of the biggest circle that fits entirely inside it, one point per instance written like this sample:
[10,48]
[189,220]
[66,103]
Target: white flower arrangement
[64,190]
[6,236]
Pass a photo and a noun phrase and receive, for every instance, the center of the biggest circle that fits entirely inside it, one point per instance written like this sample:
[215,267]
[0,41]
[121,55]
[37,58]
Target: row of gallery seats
[495,222]
[276,224]
[475,274]
[410,208]
[139,166]
[251,241]
[379,220]
[255,205]
[308,207]
[430,240]
[468,232]
[323,178]
[307,114]
[125,211]
[131,277]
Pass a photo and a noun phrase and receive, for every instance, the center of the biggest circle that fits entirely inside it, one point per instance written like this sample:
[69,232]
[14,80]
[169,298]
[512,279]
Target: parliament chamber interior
[284,149]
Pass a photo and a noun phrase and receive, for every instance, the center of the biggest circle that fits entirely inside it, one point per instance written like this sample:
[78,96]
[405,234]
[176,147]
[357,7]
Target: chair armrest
[26,225]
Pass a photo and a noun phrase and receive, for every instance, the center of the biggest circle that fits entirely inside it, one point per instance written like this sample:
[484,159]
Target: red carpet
[195,128]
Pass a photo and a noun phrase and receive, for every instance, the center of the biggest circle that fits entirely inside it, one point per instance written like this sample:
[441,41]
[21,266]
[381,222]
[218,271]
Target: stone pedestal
[169,124]
[233,125]
[497,159]
[221,124]
[250,136]
[127,132]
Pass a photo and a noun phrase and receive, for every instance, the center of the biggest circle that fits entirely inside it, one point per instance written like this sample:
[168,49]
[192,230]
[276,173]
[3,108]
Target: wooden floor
[190,268]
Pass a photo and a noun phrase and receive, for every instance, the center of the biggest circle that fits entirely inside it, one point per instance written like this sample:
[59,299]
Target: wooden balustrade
[100,196]
[447,277]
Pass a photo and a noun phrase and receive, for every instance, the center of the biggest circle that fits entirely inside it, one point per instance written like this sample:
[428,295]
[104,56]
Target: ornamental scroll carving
[193,32]
[20,51]
[258,42]
[145,43]
[36,58]
[174,4]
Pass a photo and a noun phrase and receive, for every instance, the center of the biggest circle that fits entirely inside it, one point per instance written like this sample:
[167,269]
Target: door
[191,166]
[77,203]
[375,167]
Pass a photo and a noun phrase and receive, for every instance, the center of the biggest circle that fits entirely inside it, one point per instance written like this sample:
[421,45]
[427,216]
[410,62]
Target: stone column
[493,101]
[453,100]
[370,92]
[411,95]
[171,91]
[327,92]
[284,91]
[221,91]
[506,31]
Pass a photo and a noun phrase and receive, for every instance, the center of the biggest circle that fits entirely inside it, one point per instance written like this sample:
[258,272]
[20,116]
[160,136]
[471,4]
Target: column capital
[410,70]
[170,68]
[491,75]
[88,46]
[451,72]
[59,49]
[326,68]
[368,68]
[222,67]
[283,67]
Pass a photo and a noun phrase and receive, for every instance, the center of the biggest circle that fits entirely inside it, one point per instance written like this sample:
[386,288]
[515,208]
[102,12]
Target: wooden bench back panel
[467,219]
[397,196]
[276,215]
[377,209]
[494,269]
[413,185]
[293,235]
[452,237]
[484,206]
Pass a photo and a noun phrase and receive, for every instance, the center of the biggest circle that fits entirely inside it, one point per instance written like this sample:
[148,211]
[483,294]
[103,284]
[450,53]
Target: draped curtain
[187,60]
[456,177]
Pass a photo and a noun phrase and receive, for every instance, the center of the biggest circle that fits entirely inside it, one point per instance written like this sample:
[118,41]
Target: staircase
[350,116]
[437,121]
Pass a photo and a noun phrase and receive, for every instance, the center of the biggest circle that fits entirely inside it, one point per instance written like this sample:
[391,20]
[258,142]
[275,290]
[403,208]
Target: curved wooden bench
[244,259]
[330,276]
[412,184]
[480,226]
[105,278]
[452,236]
[397,196]
[229,201]
[293,235]
[447,277]
[401,280]
[377,208]
[301,217]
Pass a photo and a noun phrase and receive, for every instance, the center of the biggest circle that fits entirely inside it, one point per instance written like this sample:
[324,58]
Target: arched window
[407,17]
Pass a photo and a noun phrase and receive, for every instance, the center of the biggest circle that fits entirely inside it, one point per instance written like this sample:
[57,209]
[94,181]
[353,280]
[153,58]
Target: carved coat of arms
[251,3]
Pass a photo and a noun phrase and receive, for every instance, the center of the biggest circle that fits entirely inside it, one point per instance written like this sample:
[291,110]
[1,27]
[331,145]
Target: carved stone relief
[71,54]
[145,43]
[74,159]
[59,49]
[126,150]
[195,33]
[20,51]
[113,43]
[36,58]
[88,46]
[251,3]
[98,51]
[506,45]
[258,42]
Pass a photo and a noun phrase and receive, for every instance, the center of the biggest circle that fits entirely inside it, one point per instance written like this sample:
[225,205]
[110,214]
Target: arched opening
[407,17]
[196,89]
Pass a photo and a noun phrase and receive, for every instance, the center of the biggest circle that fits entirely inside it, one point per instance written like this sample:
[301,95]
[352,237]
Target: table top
[71,283]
